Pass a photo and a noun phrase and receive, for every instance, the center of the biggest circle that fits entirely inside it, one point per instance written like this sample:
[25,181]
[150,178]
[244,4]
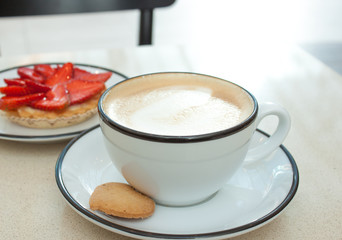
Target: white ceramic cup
[185,170]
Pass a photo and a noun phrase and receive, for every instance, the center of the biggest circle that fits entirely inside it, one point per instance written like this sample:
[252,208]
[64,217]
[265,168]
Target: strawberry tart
[51,97]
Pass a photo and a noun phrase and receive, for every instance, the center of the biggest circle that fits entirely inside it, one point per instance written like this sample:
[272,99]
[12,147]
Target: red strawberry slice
[14,90]
[56,99]
[15,81]
[80,91]
[12,103]
[44,70]
[99,77]
[79,72]
[25,72]
[57,67]
[36,86]
[62,75]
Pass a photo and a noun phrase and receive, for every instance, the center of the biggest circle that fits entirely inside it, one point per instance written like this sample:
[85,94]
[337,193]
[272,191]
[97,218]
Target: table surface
[31,206]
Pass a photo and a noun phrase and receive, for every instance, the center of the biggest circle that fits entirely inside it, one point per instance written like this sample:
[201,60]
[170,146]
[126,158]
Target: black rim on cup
[177,139]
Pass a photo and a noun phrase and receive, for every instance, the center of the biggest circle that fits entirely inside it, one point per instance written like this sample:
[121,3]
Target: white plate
[15,132]
[253,197]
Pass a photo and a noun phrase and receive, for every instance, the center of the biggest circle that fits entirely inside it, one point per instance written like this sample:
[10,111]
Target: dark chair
[45,7]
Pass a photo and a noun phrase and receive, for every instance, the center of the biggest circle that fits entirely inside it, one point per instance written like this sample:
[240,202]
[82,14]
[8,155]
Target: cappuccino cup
[179,137]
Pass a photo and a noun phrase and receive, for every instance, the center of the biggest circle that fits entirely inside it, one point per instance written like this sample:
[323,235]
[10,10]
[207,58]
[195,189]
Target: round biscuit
[121,200]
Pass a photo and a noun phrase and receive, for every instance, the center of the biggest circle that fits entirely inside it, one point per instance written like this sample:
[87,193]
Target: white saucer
[15,132]
[252,198]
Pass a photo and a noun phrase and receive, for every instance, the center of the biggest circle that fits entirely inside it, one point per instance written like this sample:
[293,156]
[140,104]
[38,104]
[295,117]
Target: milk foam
[174,111]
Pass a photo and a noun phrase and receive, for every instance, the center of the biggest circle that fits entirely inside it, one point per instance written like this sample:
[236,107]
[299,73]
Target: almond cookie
[121,200]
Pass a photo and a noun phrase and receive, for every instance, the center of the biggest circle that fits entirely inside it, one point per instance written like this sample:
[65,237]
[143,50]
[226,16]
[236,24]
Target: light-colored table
[31,206]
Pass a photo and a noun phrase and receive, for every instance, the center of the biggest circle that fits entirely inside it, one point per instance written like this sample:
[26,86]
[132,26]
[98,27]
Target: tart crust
[35,118]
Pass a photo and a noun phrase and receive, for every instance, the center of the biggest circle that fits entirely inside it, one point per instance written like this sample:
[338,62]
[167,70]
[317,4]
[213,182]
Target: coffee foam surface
[176,106]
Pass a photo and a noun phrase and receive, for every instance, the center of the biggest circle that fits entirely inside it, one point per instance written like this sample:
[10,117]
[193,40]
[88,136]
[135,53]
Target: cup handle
[276,139]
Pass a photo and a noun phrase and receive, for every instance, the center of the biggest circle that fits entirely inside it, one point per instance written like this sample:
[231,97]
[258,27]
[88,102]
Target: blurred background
[245,25]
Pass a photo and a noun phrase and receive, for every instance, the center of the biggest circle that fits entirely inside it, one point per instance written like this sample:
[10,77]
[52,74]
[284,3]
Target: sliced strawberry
[44,70]
[80,91]
[25,72]
[62,75]
[98,77]
[57,67]
[36,86]
[14,90]
[15,81]
[56,99]
[12,103]
[79,72]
